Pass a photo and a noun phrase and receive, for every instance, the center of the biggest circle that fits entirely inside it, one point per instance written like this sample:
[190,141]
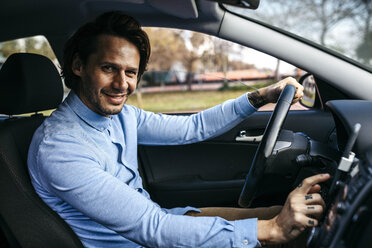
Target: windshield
[344,26]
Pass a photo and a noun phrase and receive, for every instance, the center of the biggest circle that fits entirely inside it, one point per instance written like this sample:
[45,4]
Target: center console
[348,217]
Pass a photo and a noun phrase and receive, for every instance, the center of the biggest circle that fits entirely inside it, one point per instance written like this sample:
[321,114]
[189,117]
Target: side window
[35,44]
[190,71]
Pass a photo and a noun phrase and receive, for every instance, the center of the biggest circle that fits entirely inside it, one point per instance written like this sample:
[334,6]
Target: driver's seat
[28,83]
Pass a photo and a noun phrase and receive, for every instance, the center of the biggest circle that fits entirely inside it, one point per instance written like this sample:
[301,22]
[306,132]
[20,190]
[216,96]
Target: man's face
[109,76]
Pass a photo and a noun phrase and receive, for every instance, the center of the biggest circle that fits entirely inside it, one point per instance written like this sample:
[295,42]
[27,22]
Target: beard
[97,99]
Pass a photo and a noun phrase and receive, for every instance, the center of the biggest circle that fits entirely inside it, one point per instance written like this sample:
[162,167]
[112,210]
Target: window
[35,44]
[341,26]
[190,71]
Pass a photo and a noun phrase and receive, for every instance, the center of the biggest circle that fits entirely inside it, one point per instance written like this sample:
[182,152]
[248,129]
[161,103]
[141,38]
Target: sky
[264,61]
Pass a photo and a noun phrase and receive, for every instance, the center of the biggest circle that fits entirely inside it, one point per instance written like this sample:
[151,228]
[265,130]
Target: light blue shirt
[84,166]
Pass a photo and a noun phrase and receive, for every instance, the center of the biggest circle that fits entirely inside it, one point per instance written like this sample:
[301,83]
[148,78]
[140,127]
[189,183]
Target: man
[83,158]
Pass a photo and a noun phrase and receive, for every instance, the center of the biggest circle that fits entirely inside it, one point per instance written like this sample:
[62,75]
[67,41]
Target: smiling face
[109,75]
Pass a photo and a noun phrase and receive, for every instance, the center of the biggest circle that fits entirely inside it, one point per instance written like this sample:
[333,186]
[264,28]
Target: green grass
[241,87]
[183,101]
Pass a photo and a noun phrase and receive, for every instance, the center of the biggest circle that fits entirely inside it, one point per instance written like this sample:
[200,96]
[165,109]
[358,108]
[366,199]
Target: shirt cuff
[246,233]
[244,107]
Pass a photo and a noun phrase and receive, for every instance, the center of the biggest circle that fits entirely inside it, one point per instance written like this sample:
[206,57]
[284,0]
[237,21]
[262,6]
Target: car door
[212,173]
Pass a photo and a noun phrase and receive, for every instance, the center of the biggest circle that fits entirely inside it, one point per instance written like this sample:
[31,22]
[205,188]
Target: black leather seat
[28,83]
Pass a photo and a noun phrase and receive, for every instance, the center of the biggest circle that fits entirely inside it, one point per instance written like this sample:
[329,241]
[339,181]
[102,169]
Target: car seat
[29,83]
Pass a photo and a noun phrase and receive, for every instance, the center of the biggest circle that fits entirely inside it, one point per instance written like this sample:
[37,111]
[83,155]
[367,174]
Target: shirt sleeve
[78,178]
[160,129]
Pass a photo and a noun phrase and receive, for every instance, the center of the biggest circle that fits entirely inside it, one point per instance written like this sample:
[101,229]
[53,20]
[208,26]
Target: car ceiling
[22,18]
[57,20]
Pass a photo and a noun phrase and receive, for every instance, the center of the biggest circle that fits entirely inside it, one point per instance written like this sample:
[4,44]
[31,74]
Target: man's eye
[132,73]
[108,68]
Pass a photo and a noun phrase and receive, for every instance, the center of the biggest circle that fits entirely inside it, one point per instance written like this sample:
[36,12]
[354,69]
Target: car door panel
[197,170]
[211,173]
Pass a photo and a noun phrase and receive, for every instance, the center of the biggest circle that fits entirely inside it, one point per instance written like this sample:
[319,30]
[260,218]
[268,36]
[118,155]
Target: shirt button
[245,242]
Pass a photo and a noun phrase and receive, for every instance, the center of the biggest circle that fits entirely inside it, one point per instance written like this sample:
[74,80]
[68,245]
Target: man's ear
[77,66]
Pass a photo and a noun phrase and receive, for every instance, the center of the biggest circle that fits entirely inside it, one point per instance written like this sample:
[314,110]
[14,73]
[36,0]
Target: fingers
[314,199]
[310,222]
[315,188]
[302,209]
[308,183]
[298,96]
[299,202]
[313,210]
[302,221]
[271,93]
[291,81]
[305,200]
[309,187]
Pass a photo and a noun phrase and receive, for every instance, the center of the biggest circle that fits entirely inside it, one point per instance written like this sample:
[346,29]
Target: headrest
[29,83]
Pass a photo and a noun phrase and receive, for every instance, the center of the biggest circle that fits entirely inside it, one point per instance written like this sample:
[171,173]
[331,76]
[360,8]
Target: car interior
[232,170]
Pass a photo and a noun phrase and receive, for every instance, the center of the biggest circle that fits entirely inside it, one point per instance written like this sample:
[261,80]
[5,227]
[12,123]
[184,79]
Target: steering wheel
[266,146]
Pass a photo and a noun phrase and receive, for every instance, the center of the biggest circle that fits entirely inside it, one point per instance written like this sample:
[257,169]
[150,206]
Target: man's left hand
[270,94]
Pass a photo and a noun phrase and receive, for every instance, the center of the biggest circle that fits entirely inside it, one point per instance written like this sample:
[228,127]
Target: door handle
[243,137]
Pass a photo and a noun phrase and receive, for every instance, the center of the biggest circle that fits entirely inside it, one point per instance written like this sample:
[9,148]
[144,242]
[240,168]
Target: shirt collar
[93,119]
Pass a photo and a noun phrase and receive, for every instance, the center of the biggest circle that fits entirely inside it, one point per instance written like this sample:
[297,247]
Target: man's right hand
[302,209]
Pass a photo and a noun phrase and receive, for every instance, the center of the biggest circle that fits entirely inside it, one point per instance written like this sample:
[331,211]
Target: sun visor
[185,9]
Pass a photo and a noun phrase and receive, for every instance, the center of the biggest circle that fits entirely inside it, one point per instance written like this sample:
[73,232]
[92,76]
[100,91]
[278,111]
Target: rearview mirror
[247,4]
[308,81]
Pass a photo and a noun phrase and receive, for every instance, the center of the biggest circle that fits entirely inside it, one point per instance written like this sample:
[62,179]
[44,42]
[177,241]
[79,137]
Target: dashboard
[348,216]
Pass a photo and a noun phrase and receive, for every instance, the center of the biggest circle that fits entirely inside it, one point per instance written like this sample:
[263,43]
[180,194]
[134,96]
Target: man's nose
[121,81]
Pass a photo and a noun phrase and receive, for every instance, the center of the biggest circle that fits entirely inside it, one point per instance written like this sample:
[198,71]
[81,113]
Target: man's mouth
[115,98]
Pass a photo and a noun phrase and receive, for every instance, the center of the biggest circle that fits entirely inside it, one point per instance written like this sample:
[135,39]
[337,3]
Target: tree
[167,47]
[239,65]
[296,15]
[191,57]
[364,49]
[330,12]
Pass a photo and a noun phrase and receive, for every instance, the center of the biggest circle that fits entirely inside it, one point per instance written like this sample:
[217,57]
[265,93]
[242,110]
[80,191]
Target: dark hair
[84,42]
